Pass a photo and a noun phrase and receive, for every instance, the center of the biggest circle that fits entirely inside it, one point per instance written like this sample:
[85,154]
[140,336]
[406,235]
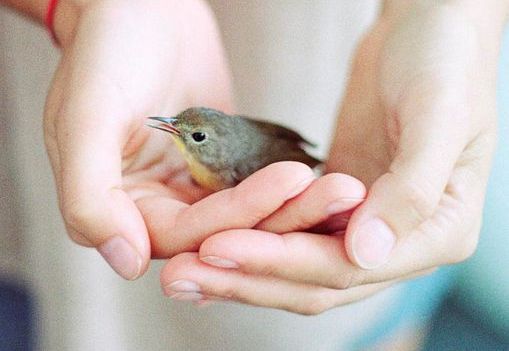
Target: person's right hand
[122,61]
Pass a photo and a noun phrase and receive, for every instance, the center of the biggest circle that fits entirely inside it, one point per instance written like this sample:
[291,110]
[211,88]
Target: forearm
[66,13]
[480,21]
[490,14]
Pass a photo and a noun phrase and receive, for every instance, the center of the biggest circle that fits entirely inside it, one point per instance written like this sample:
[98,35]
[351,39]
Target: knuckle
[77,237]
[229,290]
[417,198]
[267,270]
[76,215]
[231,293]
[253,210]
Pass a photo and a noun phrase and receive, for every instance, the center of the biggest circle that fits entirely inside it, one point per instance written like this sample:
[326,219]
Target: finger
[185,277]
[452,233]
[89,134]
[240,207]
[431,137]
[300,257]
[160,214]
[327,196]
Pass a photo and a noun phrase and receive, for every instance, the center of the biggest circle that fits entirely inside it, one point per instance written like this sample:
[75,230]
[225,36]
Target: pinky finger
[186,276]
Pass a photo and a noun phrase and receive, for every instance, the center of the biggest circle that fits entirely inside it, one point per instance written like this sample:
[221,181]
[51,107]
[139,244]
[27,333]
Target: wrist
[65,14]
[485,19]
[66,17]
[488,14]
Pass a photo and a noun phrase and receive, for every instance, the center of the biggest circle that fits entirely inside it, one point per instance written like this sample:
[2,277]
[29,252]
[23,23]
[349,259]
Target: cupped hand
[418,127]
[122,61]
[266,257]
[421,136]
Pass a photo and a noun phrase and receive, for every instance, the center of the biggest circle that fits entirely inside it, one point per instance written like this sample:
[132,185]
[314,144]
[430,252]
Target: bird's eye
[199,136]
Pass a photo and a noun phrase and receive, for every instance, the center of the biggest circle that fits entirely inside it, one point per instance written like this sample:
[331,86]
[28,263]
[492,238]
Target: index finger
[329,195]
[240,207]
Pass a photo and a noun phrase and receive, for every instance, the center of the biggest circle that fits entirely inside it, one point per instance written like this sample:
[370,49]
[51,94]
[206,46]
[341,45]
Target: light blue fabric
[484,281]
[416,305]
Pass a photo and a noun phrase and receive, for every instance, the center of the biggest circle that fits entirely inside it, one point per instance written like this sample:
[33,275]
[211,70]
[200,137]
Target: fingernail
[186,296]
[299,188]
[219,262]
[122,257]
[182,285]
[373,243]
[342,205]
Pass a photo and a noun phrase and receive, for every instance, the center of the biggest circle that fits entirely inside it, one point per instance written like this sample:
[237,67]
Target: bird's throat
[200,173]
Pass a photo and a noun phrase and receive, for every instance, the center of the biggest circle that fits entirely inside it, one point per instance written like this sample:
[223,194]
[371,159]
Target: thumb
[85,146]
[410,191]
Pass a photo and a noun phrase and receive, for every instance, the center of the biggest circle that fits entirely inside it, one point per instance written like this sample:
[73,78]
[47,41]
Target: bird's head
[203,133]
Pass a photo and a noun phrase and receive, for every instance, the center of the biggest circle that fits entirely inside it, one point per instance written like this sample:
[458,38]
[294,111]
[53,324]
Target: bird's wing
[278,131]
[304,157]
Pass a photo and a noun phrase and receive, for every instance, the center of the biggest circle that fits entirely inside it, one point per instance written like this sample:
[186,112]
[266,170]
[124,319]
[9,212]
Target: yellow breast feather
[200,173]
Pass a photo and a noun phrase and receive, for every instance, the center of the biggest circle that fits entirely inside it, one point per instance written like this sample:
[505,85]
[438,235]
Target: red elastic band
[49,20]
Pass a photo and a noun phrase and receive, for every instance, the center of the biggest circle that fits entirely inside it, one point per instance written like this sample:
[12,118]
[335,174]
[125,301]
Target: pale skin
[423,99]
[428,98]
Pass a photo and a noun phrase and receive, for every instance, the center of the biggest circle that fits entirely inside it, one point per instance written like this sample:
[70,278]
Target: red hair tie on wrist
[50,19]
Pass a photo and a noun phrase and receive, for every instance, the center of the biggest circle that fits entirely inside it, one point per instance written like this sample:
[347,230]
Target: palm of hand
[123,63]
[421,134]
[411,129]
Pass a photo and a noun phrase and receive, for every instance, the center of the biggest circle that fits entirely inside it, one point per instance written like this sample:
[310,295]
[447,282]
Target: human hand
[277,259]
[431,126]
[418,127]
[122,61]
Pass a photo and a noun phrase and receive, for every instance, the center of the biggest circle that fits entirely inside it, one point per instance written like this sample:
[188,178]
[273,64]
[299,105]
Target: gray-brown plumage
[223,150]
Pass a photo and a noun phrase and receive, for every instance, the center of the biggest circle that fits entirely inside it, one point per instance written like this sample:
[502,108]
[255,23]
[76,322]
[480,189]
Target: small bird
[222,150]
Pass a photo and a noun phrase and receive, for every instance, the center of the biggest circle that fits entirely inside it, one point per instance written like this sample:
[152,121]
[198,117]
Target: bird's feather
[278,131]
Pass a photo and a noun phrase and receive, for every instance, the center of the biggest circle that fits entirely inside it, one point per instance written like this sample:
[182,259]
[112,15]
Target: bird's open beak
[165,124]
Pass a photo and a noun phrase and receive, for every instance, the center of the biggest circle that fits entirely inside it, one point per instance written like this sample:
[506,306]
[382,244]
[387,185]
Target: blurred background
[57,296]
